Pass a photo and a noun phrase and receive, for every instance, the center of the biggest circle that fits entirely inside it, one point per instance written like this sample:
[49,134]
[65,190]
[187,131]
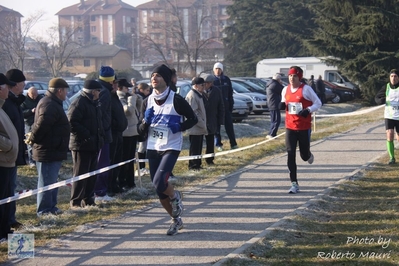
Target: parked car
[259,100]
[183,87]
[240,108]
[244,98]
[240,111]
[250,86]
[342,94]
[257,81]
[74,86]
[41,86]
[329,95]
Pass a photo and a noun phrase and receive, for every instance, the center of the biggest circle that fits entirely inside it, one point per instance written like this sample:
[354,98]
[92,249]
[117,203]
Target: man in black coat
[87,138]
[28,109]
[50,139]
[118,125]
[214,107]
[321,89]
[273,92]
[12,107]
[223,82]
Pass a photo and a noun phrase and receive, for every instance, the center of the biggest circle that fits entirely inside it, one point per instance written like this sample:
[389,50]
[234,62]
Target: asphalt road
[221,219]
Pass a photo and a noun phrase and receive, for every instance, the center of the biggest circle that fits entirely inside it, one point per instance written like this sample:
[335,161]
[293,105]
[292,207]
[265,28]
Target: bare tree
[13,37]
[58,48]
[175,42]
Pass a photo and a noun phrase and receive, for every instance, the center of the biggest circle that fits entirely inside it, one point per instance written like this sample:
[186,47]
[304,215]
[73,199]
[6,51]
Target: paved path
[222,217]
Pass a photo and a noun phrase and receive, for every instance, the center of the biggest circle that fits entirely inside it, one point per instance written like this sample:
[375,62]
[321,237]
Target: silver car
[259,100]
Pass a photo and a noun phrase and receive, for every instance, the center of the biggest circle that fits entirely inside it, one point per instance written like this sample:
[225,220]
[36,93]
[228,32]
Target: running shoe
[175,226]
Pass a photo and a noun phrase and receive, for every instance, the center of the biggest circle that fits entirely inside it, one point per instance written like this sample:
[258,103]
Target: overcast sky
[50,7]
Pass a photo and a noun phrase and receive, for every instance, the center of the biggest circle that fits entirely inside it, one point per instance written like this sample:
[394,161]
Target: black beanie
[165,72]
[394,71]
[15,75]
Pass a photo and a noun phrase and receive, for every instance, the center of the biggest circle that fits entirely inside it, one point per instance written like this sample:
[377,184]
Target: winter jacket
[85,119]
[194,99]
[131,105]
[50,130]
[224,84]
[27,107]
[214,108]
[12,107]
[118,118]
[273,92]
[8,140]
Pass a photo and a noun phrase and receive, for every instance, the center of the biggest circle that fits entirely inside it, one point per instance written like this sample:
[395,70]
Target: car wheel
[336,99]
[258,112]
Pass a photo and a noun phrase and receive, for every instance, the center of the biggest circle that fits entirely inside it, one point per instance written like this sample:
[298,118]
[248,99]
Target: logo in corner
[21,246]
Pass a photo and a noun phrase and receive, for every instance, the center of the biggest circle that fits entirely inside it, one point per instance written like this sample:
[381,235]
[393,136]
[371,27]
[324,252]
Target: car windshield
[258,82]
[239,88]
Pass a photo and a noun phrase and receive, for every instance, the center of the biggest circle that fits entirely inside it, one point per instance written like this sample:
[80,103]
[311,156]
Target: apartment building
[182,32]
[10,39]
[98,21]
[186,34]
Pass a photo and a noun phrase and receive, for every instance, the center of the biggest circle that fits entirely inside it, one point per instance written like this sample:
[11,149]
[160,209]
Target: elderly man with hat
[299,101]
[87,138]
[50,139]
[131,103]
[166,115]
[9,143]
[214,108]
[13,108]
[389,95]
[223,82]
[196,134]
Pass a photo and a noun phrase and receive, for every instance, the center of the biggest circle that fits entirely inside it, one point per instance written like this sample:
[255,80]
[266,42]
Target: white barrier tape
[26,193]
[360,112]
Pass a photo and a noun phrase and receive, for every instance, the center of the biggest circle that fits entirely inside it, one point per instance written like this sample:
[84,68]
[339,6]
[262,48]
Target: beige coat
[131,106]
[8,140]
[194,98]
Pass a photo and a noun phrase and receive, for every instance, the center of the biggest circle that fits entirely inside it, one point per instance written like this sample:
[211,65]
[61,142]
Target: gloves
[28,141]
[282,106]
[149,115]
[304,112]
[175,128]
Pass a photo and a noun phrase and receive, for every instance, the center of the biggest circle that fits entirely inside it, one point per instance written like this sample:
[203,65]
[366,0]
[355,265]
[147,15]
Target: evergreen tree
[362,35]
[265,29]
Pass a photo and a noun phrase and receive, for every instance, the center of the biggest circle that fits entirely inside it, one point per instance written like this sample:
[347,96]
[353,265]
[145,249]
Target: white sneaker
[219,148]
[311,159]
[143,172]
[269,137]
[103,199]
[294,188]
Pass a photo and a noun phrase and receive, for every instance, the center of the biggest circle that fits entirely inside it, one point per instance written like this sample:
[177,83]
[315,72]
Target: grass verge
[356,224]
[52,227]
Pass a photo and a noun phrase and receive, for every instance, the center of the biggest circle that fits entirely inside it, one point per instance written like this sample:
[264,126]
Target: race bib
[158,135]
[294,108]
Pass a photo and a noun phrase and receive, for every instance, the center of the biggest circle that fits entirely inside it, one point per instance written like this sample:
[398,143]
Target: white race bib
[294,108]
[158,135]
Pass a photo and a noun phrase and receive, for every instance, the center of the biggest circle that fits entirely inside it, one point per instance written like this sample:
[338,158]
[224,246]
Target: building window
[93,18]
[69,63]
[86,62]
[93,28]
